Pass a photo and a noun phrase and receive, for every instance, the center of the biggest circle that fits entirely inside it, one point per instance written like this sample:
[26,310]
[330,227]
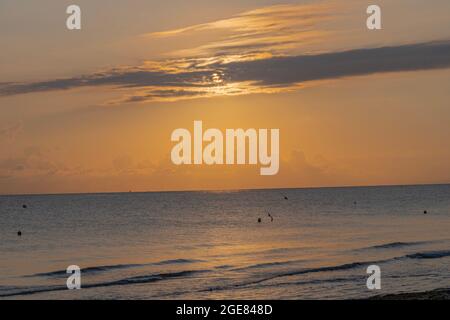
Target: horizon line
[225,190]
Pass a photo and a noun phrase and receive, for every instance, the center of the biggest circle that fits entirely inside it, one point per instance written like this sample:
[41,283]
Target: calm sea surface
[196,245]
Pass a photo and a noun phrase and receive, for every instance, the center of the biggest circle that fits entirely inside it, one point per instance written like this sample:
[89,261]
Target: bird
[19,233]
[24,206]
[259,220]
[286,198]
[270,216]
[425,212]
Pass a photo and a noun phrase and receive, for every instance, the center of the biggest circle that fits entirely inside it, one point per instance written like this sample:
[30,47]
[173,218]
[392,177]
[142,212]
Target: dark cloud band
[298,69]
[192,80]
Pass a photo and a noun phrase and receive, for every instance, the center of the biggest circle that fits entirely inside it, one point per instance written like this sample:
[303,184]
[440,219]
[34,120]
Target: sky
[92,110]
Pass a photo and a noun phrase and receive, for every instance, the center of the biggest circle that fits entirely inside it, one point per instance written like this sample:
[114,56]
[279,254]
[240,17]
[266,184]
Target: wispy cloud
[208,77]
[274,29]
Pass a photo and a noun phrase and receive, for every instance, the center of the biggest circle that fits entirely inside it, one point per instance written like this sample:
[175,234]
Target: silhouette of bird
[19,233]
[24,206]
[259,220]
[425,212]
[286,198]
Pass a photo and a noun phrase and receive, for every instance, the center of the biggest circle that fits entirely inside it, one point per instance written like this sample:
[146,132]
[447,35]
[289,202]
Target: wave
[260,278]
[176,261]
[261,252]
[396,245]
[429,255]
[127,281]
[61,273]
[342,267]
[346,266]
[224,266]
[97,269]
[243,286]
[265,265]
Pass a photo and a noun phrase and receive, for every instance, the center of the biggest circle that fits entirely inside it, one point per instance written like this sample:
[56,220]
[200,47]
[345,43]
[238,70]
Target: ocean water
[209,245]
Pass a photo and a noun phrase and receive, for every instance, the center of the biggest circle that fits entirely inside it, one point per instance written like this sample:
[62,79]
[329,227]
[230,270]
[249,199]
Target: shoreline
[436,294]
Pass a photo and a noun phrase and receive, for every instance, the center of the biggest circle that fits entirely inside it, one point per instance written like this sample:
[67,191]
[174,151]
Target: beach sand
[438,294]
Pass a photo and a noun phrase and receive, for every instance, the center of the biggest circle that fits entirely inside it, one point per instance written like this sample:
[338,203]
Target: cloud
[298,69]
[218,76]
[272,28]
[251,53]
[11,131]
[34,161]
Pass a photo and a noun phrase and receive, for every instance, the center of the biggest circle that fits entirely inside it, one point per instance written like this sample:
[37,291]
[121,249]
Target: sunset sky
[93,110]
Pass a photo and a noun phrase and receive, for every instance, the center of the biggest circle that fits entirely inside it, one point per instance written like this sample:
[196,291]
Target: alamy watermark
[74,280]
[374,280]
[73,22]
[236,146]
[374,20]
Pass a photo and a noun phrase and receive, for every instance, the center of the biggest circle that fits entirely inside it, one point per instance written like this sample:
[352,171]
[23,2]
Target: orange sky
[93,110]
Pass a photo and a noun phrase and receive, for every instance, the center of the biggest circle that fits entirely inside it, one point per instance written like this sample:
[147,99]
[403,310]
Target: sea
[315,243]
